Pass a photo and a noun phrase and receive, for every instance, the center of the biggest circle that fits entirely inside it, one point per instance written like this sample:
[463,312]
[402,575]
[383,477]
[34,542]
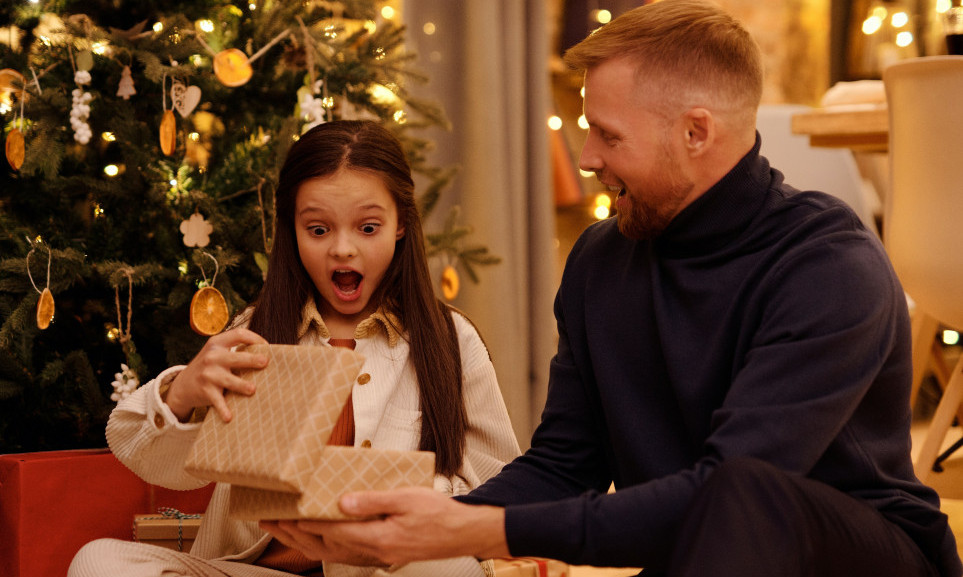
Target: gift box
[525,567]
[52,503]
[169,528]
[274,450]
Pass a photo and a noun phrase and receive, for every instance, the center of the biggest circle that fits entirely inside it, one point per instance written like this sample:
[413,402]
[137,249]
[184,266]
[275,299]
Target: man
[733,354]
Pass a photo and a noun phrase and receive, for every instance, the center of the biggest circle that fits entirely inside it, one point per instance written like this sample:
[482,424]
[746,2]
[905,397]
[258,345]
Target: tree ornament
[12,85]
[45,305]
[232,67]
[126,87]
[311,108]
[449,283]
[168,133]
[15,149]
[80,106]
[125,383]
[184,99]
[208,313]
[196,231]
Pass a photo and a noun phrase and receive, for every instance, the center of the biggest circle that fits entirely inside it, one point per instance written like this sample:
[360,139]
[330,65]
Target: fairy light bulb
[554,122]
[582,122]
[951,337]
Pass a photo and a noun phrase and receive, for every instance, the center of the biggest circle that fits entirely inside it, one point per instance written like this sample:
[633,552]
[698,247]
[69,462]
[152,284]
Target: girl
[348,268]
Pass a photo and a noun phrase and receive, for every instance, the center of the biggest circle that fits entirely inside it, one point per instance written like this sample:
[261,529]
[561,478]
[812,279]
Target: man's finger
[373,503]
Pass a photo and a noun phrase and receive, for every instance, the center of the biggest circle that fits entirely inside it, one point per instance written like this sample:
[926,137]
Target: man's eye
[369,228]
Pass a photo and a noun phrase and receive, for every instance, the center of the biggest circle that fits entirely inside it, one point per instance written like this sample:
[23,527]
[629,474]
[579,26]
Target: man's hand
[411,524]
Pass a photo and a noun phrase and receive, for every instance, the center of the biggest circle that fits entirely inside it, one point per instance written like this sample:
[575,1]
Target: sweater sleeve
[146,436]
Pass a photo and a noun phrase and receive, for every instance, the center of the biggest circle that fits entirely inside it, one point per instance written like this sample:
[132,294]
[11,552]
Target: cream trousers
[113,557]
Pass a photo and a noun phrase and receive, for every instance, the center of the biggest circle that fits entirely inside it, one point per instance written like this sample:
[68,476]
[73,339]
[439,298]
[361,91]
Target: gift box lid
[273,440]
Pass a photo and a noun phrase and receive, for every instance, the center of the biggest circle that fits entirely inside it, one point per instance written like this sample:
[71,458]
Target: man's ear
[700,130]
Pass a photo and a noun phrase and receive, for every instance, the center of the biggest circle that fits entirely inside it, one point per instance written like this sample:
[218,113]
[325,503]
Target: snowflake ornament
[125,382]
[196,231]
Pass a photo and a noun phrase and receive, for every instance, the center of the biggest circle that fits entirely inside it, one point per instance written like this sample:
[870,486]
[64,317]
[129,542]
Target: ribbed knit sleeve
[146,436]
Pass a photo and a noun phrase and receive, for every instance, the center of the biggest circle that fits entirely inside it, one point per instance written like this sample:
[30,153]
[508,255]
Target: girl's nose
[343,247]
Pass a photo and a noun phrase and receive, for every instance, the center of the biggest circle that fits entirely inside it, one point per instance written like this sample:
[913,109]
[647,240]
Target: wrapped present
[274,450]
[53,502]
[169,528]
[525,567]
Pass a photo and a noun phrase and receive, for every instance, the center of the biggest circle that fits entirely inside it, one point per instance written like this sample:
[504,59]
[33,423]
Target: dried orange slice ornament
[232,67]
[168,133]
[208,311]
[45,309]
[449,283]
[11,85]
[15,149]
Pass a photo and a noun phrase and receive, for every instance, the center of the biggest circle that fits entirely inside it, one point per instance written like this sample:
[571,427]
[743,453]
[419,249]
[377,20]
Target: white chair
[830,170]
[923,212]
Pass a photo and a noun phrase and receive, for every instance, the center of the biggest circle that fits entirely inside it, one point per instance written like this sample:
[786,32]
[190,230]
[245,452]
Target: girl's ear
[400,232]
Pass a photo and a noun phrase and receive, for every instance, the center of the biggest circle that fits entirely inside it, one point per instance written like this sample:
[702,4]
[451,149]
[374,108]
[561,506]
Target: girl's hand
[212,372]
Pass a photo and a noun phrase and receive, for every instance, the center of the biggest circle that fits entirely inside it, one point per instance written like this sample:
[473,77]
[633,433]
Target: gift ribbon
[172,513]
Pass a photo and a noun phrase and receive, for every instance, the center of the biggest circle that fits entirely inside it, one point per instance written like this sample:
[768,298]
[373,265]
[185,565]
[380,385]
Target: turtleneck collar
[722,213]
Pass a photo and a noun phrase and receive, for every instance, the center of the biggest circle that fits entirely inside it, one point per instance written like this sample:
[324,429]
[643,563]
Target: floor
[949,484]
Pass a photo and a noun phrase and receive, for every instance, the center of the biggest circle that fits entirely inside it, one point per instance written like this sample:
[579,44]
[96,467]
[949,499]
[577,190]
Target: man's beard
[643,220]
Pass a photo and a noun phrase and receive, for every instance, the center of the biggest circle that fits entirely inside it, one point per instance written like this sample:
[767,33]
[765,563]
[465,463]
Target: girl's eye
[369,228]
[317,230]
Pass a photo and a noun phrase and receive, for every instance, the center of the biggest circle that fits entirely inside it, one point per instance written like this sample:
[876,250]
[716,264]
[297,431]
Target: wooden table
[856,129]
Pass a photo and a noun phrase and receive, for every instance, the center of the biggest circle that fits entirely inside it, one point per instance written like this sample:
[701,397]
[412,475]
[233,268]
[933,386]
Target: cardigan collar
[381,321]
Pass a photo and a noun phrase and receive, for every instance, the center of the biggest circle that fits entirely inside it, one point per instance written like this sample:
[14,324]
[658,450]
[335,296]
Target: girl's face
[346,226]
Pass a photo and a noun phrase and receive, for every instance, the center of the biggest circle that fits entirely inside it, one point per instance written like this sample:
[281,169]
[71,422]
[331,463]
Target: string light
[429,28]
[943,5]
[98,210]
[108,136]
[387,12]
[111,170]
[603,206]
[951,337]
[602,16]
[158,27]
[904,39]
[205,25]
[554,122]
[582,122]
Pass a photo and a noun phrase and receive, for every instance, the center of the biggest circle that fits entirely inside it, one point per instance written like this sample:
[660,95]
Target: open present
[274,451]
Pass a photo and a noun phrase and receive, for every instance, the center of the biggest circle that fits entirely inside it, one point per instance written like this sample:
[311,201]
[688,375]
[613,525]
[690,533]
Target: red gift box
[52,503]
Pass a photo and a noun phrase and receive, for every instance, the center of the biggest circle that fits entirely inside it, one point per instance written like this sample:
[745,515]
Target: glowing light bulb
[158,26]
[582,122]
[554,122]
[603,16]
[601,212]
[388,12]
[108,136]
[429,28]
[602,199]
[111,170]
[899,19]
[872,25]
[943,5]
[904,39]
[951,337]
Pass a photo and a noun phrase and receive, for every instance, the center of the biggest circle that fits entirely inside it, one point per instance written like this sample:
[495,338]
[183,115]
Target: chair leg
[940,425]
[924,328]
[942,373]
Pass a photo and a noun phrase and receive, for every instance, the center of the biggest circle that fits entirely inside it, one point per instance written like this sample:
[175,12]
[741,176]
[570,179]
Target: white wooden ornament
[185,98]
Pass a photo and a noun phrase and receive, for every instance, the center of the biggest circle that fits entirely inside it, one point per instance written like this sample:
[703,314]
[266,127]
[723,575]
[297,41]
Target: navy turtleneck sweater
[764,322]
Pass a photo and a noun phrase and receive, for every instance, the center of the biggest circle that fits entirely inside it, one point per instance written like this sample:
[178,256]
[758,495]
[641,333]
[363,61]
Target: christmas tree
[143,141]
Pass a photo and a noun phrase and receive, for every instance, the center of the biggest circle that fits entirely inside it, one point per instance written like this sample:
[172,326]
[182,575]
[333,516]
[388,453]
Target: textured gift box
[273,451]
[170,529]
[525,567]
[52,503]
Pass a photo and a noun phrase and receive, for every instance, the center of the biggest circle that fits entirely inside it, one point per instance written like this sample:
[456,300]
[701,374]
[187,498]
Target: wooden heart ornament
[185,98]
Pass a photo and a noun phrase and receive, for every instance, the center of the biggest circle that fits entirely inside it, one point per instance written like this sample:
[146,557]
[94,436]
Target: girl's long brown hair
[406,289]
